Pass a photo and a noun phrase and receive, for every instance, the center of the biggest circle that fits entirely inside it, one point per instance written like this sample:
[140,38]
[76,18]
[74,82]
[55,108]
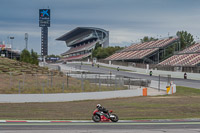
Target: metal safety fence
[13,83]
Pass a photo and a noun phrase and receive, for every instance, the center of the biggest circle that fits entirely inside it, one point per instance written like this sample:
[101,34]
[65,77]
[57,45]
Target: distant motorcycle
[104,117]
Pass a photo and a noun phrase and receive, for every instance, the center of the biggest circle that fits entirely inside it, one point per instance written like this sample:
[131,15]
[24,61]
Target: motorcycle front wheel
[96,118]
[114,119]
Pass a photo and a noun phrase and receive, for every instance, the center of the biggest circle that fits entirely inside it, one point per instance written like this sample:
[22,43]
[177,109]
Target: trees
[101,53]
[96,49]
[25,56]
[186,40]
[52,55]
[28,57]
[147,39]
[34,57]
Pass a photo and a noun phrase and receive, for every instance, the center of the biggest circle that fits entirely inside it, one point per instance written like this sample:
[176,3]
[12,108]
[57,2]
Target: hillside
[20,77]
[18,68]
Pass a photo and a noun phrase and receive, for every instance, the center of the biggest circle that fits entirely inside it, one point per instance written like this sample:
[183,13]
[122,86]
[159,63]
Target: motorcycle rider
[104,110]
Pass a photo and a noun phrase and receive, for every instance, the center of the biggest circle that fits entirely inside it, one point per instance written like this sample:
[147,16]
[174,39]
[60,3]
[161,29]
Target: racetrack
[179,82]
[89,127]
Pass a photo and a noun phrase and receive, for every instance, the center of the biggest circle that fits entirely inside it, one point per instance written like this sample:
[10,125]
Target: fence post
[96,80]
[43,84]
[146,83]
[67,80]
[48,80]
[169,78]
[63,86]
[51,80]
[19,88]
[159,83]
[99,83]
[123,81]
[107,81]
[10,80]
[23,79]
[82,82]
[36,79]
[129,82]
[110,78]
[115,83]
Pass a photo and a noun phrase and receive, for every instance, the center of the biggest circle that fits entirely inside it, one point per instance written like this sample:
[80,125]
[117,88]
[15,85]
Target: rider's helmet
[98,105]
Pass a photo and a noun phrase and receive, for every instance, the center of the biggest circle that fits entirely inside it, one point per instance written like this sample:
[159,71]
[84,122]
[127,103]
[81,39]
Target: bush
[28,57]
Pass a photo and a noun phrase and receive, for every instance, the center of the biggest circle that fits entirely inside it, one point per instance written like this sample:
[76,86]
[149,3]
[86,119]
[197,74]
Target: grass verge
[184,104]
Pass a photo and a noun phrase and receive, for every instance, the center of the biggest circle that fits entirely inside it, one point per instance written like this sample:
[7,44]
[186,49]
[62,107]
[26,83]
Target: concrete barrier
[169,88]
[62,97]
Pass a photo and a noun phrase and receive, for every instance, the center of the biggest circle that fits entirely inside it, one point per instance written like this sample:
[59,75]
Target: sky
[126,20]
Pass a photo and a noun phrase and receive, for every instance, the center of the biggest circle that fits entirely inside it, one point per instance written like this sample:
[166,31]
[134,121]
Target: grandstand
[188,57]
[147,52]
[82,40]
[7,51]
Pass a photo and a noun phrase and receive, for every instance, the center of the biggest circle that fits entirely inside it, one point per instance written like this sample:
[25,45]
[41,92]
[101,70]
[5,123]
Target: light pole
[26,40]
[11,38]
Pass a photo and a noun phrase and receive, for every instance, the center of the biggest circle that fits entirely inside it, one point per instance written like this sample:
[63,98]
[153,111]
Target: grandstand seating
[192,49]
[80,48]
[188,57]
[81,39]
[140,50]
[78,57]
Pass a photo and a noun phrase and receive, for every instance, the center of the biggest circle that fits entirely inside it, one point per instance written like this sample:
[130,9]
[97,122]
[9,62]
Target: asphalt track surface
[89,127]
[103,70]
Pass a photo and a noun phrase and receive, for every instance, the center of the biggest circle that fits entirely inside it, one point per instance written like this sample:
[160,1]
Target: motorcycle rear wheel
[96,118]
[114,119]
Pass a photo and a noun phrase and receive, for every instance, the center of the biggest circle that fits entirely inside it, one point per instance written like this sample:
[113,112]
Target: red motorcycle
[104,117]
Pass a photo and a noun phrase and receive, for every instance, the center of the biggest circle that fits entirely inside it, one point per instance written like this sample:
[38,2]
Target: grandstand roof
[82,40]
[77,31]
[140,50]
[188,57]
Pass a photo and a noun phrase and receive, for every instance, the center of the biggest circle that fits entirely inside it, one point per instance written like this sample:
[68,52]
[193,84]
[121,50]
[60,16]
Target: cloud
[126,20]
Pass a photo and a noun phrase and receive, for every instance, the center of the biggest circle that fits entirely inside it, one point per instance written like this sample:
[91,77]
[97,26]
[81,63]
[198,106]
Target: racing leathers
[104,110]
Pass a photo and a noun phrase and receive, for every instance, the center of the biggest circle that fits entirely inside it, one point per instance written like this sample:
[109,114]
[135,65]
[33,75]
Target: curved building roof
[79,30]
[83,39]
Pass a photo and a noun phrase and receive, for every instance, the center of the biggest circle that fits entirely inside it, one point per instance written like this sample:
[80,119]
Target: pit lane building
[82,40]
[7,51]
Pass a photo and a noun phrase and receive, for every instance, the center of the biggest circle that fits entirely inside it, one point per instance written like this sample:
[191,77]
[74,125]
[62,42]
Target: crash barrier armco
[111,79]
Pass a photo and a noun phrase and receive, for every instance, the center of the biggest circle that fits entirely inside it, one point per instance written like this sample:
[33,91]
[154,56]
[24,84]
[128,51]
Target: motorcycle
[104,117]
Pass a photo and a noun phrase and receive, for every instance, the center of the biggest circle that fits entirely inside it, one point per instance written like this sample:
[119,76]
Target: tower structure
[44,23]
[26,40]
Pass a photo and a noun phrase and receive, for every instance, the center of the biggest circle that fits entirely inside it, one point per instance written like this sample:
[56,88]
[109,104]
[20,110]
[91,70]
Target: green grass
[186,91]
[184,104]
